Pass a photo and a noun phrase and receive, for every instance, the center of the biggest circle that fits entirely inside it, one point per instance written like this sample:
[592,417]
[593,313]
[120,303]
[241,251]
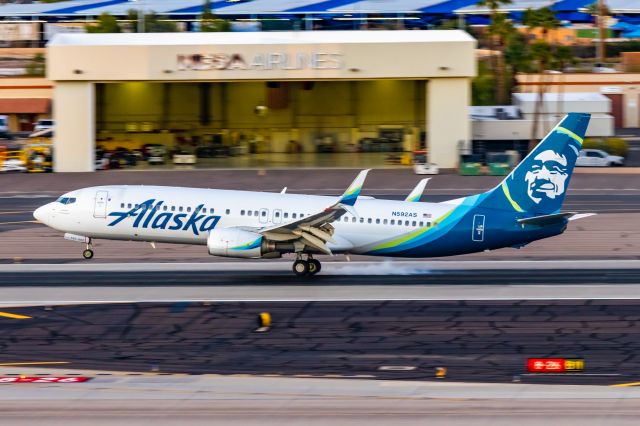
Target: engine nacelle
[234,242]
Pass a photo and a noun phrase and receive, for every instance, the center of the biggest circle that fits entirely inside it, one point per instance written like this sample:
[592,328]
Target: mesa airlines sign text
[260,61]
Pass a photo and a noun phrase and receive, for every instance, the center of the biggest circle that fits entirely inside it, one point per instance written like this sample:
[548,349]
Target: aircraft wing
[315,230]
[416,193]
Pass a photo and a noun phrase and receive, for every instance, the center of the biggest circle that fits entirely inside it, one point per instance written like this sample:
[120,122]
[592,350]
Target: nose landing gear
[88,252]
[303,267]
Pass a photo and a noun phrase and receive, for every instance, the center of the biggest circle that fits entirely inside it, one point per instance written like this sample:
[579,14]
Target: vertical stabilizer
[539,183]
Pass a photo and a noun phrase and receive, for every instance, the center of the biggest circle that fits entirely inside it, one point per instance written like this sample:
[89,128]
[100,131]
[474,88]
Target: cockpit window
[66,200]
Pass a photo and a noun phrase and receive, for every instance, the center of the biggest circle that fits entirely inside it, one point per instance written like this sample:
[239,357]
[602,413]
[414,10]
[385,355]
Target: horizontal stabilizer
[549,219]
[581,216]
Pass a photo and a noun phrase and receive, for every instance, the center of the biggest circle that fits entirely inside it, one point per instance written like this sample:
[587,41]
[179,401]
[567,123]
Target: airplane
[524,207]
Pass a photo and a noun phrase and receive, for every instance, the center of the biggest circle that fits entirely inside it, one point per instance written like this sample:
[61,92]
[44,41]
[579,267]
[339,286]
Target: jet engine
[235,242]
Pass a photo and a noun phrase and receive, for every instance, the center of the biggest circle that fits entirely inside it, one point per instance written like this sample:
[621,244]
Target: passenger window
[421,224]
[264,213]
[393,221]
[377,221]
[286,215]
[173,208]
[249,212]
[228,211]
[188,209]
[406,223]
[413,223]
[255,213]
[362,220]
[122,205]
[369,220]
[353,220]
[294,215]
[277,214]
[129,205]
[241,212]
[384,221]
[136,206]
[180,208]
[164,208]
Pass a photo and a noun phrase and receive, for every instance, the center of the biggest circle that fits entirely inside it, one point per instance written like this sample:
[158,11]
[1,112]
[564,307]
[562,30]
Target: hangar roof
[280,37]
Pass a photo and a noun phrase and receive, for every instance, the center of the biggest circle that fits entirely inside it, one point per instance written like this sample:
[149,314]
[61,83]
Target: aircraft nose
[42,213]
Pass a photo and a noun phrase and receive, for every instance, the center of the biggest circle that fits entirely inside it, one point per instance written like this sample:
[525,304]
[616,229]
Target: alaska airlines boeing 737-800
[523,208]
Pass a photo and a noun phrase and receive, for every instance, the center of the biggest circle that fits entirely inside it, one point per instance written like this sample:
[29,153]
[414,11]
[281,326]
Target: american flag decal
[426,215]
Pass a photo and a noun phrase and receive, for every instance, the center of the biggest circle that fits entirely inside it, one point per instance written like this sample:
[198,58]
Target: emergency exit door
[100,205]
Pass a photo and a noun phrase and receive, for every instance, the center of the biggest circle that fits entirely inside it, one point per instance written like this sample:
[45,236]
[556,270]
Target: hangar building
[329,91]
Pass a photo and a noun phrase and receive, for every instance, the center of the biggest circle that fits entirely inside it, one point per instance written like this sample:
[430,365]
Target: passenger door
[100,204]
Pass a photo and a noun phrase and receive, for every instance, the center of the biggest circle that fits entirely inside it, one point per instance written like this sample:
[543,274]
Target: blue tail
[539,183]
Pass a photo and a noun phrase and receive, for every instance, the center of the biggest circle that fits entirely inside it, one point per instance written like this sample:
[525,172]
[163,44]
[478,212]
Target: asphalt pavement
[477,341]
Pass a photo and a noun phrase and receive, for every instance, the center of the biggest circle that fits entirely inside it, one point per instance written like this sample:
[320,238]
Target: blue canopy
[322,6]
[447,6]
[571,5]
[200,8]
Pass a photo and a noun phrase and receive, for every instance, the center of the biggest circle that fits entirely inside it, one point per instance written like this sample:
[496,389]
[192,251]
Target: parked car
[154,153]
[598,158]
[184,157]
[102,160]
[45,123]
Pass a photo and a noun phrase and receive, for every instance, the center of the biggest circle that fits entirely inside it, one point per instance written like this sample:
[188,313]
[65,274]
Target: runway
[477,341]
[179,342]
[370,273]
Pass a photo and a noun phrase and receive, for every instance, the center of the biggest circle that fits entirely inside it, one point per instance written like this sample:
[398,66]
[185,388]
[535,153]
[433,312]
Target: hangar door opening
[255,124]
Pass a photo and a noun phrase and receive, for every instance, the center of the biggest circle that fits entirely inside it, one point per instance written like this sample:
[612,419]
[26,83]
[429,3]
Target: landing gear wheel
[87,254]
[301,267]
[314,266]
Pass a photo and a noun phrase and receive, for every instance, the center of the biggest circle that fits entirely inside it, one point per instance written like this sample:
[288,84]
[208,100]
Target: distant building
[501,128]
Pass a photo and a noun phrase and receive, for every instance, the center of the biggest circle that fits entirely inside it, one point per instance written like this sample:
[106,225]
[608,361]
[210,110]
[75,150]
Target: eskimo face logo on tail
[148,215]
[547,176]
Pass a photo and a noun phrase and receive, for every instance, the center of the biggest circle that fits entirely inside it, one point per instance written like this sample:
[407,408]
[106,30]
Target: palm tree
[498,63]
[600,11]
[542,54]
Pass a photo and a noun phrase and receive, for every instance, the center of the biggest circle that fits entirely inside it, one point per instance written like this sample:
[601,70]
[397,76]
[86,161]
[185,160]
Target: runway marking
[14,316]
[624,385]
[20,222]
[11,364]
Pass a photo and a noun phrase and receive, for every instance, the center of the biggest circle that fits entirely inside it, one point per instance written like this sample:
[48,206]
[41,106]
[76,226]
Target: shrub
[617,146]
[613,146]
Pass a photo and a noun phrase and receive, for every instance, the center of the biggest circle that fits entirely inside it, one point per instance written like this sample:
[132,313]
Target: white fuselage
[104,212]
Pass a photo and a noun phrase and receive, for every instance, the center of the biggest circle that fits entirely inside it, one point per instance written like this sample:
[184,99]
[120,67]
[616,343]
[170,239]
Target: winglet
[416,193]
[351,194]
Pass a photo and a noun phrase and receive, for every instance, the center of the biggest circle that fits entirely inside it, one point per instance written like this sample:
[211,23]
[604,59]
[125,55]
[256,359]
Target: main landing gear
[88,252]
[303,267]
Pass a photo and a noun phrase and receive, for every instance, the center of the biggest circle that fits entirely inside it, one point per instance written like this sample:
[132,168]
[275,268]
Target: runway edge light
[264,322]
